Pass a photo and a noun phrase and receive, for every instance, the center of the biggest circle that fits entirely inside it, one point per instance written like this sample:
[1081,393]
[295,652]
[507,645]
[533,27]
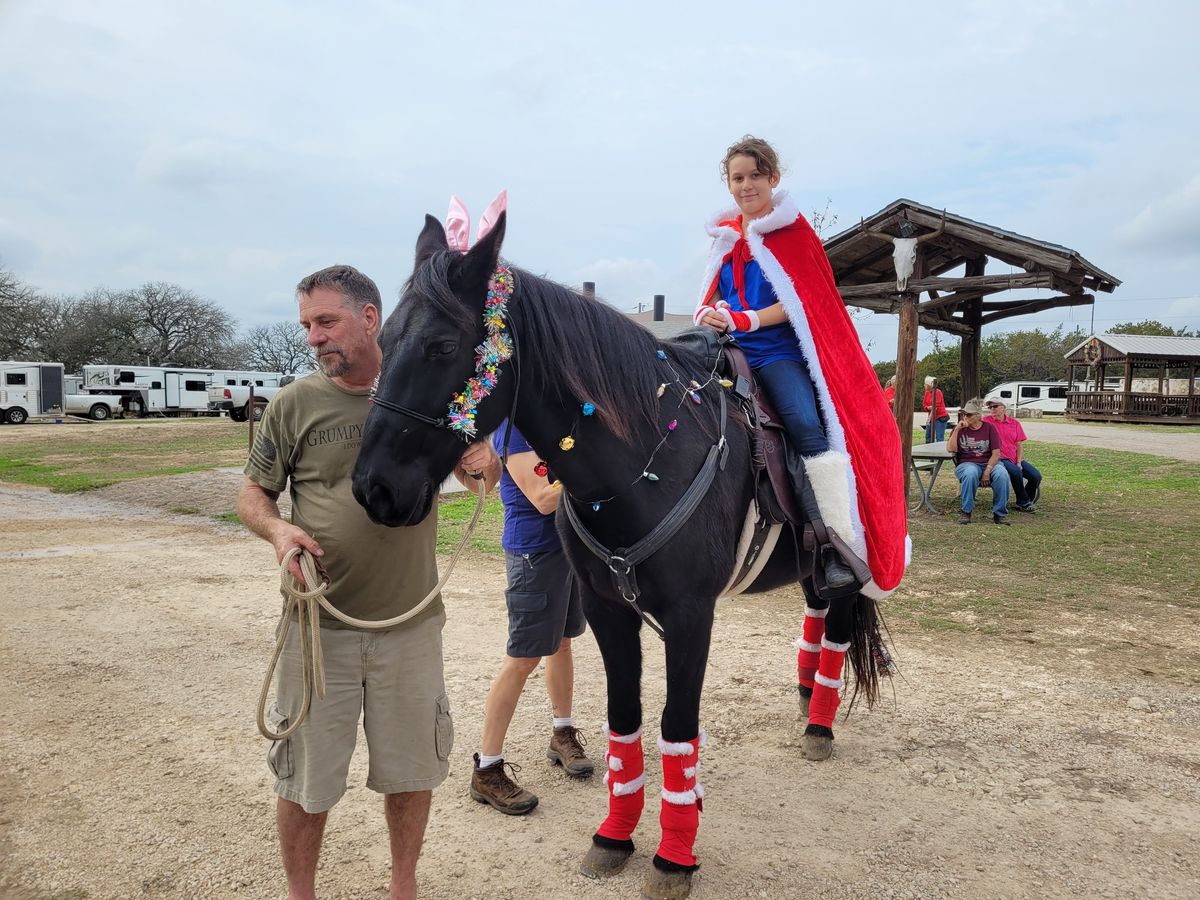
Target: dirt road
[134,641]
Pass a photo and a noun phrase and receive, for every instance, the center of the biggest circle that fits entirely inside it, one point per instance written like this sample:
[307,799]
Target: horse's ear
[477,266]
[431,240]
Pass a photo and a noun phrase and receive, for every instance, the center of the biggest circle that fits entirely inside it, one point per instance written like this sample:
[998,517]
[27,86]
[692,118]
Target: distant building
[667,326]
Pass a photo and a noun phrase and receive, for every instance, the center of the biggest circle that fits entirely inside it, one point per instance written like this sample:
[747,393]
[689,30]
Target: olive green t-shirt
[309,437]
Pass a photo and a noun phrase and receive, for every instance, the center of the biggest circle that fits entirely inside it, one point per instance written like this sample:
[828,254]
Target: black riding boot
[838,576]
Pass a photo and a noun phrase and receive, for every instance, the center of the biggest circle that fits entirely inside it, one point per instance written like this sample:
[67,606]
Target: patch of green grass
[232,517]
[1113,531]
[83,459]
[24,471]
[454,514]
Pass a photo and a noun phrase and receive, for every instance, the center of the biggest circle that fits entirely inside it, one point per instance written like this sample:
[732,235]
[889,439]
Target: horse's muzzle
[383,507]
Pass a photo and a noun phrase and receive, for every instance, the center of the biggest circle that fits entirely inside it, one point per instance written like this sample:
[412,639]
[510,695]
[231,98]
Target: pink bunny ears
[458,221]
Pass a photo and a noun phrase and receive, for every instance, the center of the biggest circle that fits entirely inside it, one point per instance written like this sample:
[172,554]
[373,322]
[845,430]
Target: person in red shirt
[889,391]
[935,404]
[976,448]
[1026,480]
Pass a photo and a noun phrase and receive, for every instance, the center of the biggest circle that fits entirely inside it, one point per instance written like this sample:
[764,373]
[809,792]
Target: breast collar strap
[622,561]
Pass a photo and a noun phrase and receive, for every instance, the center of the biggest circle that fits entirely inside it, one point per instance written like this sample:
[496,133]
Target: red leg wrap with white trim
[626,780]
[808,653]
[828,684]
[682,801]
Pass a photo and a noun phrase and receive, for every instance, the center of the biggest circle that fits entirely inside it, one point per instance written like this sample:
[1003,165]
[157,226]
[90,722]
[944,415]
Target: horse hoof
[817,747]
[660,885]
[604,862]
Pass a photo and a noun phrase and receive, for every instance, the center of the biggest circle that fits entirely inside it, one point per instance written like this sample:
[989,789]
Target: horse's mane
[575,346]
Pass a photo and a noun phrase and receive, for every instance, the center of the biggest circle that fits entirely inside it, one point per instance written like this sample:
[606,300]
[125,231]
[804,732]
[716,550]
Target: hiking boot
[964,518]
[1000,520]
[493,786]
[566,750]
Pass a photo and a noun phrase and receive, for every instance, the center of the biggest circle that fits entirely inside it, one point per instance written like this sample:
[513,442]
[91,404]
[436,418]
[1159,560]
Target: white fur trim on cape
[622,738]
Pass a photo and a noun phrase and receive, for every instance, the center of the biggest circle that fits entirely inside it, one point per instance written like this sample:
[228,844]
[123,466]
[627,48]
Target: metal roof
[1146,345]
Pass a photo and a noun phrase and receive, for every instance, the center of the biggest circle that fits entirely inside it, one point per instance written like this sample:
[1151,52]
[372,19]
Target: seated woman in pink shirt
[1026,480]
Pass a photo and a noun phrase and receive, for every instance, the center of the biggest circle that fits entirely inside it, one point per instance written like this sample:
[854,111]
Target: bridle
[445,422]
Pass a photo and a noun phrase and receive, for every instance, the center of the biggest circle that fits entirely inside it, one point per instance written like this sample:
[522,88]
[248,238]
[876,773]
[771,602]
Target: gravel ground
[135,640]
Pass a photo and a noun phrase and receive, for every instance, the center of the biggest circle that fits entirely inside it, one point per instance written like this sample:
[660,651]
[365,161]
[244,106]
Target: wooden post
[906,373]
[968,354]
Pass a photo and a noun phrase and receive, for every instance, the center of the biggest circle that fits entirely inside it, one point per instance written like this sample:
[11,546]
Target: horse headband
[497,345]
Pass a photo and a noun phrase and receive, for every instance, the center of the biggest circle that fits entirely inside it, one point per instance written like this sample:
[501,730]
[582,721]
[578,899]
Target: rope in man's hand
[300,601]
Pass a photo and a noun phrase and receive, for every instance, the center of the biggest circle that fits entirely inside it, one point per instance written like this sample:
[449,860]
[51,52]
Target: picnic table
[928,458]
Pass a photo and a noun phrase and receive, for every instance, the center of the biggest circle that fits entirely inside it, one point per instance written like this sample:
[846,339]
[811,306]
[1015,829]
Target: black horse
[570,351]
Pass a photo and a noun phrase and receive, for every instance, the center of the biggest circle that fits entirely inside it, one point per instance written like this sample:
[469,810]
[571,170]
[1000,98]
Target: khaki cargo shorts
[392,680]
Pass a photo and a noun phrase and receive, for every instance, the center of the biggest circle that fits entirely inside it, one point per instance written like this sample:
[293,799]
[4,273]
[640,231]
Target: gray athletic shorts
[393,681]
[543,603]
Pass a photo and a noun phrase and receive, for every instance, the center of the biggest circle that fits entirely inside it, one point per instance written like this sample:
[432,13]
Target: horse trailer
[168,390]
[30,390]
[1048,396]
[150,390]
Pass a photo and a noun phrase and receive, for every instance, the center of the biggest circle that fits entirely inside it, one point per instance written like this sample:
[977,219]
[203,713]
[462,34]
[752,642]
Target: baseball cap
[993,403]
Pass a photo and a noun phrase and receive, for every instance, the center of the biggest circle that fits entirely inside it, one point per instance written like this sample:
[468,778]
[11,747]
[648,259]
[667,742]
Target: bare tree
[19,311]
[281,347]
[171,324]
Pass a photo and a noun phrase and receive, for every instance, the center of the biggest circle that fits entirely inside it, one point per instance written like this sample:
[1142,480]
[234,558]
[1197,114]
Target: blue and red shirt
[770,343]
[525,529]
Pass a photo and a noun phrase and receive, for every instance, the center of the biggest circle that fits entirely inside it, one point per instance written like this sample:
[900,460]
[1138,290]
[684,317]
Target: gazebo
[890,259]
[1157,399]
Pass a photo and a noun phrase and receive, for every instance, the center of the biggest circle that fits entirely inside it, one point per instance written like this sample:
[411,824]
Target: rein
[621,562]
[303,599]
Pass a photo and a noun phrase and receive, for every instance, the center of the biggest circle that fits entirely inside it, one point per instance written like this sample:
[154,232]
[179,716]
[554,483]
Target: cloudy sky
[233,147]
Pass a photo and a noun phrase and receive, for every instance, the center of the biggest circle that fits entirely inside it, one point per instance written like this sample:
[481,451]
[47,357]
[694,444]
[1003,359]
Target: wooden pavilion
[1135,399]
[890,259]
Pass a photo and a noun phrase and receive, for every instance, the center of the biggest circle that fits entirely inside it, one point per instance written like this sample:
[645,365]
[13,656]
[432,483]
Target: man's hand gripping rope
[300,599]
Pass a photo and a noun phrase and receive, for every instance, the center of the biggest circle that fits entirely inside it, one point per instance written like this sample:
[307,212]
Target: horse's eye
[442,348]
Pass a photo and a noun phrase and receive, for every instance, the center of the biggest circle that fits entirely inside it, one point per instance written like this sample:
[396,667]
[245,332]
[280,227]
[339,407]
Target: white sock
[485,760]
[564,722]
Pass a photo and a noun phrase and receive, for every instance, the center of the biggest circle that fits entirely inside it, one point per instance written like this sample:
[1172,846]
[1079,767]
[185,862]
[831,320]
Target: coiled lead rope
[302,600]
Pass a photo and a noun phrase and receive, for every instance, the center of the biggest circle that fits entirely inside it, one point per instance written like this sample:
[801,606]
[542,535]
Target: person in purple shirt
[975,445]
[544,614]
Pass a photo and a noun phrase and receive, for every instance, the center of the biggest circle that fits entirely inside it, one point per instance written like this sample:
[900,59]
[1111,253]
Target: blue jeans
[790,388]
[970,475]
[936,430]
[1026,481]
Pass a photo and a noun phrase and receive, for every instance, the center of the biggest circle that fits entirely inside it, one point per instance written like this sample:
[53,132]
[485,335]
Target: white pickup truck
[97,407]
[235,399]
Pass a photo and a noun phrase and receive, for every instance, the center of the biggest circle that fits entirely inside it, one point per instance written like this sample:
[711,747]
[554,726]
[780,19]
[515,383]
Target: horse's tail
[869,656]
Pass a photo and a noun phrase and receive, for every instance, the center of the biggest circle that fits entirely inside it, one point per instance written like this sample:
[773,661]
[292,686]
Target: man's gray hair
[353,285]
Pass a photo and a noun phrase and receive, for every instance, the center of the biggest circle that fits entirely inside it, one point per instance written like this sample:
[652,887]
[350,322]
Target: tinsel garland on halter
[495,349]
